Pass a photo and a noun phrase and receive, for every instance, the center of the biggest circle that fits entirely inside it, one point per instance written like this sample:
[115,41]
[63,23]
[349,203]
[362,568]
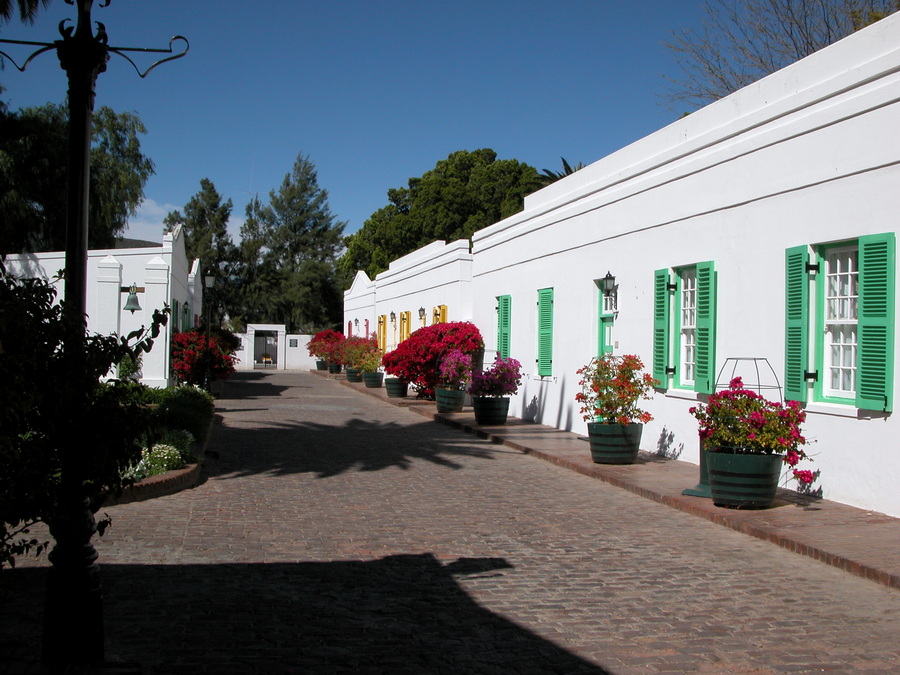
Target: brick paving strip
[864,543]
[332,533]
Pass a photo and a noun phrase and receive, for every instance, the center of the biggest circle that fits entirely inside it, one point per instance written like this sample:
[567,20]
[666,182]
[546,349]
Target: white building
[763,226]
[162,276]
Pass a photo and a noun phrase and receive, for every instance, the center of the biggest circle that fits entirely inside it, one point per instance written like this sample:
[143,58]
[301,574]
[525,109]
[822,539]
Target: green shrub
[182,439]
[189,408]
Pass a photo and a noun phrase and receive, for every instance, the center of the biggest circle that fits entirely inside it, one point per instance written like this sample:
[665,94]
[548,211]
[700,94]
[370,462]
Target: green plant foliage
[462,194]
[54,409]
[188,408]
[33,147]
[287,256]
[156,460]
[182,439]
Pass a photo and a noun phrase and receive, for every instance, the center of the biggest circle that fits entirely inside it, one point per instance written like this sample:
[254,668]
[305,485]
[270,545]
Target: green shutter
[705,366]
[545,332]
[875,358]
[504,307]
[796,323]
[661,325]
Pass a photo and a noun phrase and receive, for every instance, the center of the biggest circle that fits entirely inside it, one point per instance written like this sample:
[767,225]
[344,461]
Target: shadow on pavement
[327,450]
[248,385]
[399,614]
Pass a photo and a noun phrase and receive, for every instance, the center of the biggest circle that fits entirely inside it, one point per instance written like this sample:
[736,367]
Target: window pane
[688,336]
[841,305]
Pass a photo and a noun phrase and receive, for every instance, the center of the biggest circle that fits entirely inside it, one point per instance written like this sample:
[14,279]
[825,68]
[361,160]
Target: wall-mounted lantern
[609,284]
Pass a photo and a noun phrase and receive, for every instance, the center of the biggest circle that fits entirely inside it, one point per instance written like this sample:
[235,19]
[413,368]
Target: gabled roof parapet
[435,254]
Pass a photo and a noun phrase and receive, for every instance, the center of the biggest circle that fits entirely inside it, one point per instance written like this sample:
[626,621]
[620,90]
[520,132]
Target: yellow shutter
[382,331]
[405,325]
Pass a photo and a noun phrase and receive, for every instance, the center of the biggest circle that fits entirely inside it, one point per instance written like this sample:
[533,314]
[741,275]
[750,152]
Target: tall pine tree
[288,253]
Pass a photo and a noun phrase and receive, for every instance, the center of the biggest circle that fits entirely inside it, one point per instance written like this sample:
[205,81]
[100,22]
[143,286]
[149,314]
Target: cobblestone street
[336,533]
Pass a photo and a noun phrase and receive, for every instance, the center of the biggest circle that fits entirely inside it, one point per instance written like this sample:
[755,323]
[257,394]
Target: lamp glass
[609,283]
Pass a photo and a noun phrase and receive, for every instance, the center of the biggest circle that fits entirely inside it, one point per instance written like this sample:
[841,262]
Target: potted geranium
[491,388]
[748,440]
[368,365]
[455,373]
[355,348]
[611,390]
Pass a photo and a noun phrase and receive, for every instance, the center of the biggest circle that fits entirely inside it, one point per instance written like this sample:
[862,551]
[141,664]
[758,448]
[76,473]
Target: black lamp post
[73,612]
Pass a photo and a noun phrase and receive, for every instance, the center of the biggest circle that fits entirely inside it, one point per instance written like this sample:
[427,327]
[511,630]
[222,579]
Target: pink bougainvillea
[417,359]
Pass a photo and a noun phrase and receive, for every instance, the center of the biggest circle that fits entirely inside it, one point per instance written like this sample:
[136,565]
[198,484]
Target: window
[841,309]
[687,326]
[545,332]
[504,308]
[606,318]
[684,327]
[839,322]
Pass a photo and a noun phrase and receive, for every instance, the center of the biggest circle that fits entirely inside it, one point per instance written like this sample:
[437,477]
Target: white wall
[290,354]
[161,272]
[809,155]
[436,274]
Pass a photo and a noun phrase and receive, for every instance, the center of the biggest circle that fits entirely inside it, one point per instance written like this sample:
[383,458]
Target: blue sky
[372,92]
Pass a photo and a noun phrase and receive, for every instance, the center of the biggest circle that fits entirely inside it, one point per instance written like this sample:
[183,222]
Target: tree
[33,170]
[27,9]
[288,253]
[548,176]
[462,194]
[741,41]
[205,227]
[205,223]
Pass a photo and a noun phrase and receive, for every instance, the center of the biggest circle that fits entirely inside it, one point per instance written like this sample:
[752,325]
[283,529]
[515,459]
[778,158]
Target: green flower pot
[490,410]
[614,443]
[372,380]
[449,400]
[743,481]
[396,388]
[334,368]
[321,365]
[354,375]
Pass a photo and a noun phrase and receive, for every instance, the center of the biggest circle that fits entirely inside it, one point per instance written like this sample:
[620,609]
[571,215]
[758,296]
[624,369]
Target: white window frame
[687,326]
[839,335]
